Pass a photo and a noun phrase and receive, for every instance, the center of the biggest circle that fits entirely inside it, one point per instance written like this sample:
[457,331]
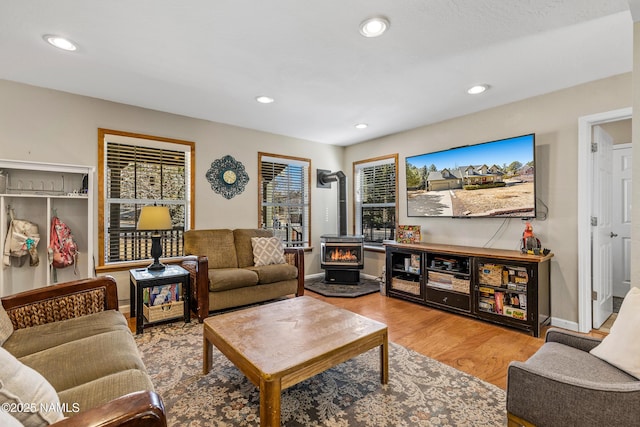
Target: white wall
[635,138]
[620,131]
[554,120]
[44,125]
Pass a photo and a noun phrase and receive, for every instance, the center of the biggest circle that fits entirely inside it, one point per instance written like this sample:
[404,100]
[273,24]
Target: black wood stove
[342,255]
[342,258]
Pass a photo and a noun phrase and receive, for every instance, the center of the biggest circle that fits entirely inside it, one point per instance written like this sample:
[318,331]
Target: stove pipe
[341,178]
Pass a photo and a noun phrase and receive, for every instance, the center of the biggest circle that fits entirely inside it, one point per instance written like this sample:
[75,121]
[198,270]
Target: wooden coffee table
[283,343]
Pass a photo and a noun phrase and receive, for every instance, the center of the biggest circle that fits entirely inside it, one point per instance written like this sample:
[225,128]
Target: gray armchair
[562,384]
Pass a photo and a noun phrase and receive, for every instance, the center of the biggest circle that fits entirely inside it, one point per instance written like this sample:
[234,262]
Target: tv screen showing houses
[492,179]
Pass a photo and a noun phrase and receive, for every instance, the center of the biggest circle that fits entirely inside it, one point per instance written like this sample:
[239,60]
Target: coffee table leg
[384,361]
[207,348]
[270,402]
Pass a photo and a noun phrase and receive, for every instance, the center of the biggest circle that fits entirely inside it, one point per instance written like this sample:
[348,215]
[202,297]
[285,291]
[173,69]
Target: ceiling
[209,59]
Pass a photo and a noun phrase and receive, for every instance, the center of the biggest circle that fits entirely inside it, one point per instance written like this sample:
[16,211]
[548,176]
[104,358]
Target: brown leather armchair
[92,301]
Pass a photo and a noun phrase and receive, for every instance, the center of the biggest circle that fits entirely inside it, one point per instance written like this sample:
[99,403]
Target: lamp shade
[154,218]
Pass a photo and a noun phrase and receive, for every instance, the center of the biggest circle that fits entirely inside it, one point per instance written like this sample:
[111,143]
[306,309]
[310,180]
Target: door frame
[585,199]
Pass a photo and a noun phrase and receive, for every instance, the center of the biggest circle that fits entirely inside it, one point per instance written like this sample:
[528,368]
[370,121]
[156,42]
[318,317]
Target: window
[375,190]
[284,198]
[134,171]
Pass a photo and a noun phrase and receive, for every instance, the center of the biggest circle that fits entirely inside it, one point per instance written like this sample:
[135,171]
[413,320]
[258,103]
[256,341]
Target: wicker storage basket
[460,285]
[490,274]
[405,286]
[170,310]
[442,278]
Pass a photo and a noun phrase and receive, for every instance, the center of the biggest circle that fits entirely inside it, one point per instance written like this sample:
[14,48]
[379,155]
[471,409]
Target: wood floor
[479,348]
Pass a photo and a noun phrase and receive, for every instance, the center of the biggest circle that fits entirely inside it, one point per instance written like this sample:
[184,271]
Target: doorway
[596,243]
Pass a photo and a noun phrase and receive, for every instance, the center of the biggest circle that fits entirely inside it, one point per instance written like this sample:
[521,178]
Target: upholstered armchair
[563,384]
[43,329]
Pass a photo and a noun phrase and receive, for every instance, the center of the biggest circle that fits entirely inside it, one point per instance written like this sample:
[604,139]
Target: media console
[500,286]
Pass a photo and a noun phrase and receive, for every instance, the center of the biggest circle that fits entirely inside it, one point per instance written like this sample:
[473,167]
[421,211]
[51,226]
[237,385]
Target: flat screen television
[490,179]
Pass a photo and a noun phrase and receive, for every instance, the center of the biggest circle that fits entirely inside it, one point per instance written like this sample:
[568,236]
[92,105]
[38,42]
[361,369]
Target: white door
[621,220]
[602,233]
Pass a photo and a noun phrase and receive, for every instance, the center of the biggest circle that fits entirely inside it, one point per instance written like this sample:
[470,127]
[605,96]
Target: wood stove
[342,258]
[341,255]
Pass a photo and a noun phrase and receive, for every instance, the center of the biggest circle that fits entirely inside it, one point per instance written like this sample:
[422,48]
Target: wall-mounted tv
[491,179]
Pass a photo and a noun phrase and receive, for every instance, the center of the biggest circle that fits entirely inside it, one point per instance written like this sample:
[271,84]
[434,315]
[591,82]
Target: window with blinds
[375,190]
[137,172]
[284,197]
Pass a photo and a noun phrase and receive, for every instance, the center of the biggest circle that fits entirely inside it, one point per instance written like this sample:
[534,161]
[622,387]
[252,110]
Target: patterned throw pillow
[24,387]
[6,327]
[267,250]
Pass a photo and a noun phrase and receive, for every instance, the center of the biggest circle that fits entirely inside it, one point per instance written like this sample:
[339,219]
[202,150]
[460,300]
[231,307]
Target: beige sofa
[224,275]
[74,337]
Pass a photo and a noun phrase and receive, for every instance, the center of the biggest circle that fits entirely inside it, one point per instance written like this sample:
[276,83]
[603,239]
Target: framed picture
[408,234]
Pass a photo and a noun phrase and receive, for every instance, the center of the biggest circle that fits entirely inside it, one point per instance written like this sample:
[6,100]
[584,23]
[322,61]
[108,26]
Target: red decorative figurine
[529,243]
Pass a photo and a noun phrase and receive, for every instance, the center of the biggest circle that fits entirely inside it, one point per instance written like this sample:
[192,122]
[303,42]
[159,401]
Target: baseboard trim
[565,324]
[319,275]
[124,308]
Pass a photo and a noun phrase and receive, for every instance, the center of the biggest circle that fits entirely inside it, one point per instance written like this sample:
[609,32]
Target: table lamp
[155,219]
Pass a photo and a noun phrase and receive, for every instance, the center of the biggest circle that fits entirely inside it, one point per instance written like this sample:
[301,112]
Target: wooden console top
[472,251]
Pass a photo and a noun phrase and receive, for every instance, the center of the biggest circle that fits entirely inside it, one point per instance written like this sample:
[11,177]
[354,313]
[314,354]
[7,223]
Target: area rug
[421,391]
[365,287]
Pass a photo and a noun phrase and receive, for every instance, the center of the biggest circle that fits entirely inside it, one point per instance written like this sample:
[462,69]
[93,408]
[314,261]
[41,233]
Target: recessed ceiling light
[60,42]
[264,99]
[374,27]
[361,126]
[474,90]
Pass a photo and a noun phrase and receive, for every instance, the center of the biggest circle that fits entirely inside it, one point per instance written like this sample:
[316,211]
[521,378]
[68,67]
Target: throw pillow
[6,420]
[267,250]
[27,389]
[621,347]
[6,327]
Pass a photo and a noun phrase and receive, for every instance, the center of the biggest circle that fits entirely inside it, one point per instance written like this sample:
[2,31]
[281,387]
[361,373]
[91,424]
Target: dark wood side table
[141,278]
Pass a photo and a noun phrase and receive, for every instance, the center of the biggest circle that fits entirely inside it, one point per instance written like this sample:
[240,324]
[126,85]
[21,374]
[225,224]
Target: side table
[141,278]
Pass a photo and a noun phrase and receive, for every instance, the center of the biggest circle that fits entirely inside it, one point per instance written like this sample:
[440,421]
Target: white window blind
[284,198]
[375,200]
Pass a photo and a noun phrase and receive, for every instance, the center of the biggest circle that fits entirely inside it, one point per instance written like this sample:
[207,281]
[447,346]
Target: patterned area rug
[365,287]
[421,391]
